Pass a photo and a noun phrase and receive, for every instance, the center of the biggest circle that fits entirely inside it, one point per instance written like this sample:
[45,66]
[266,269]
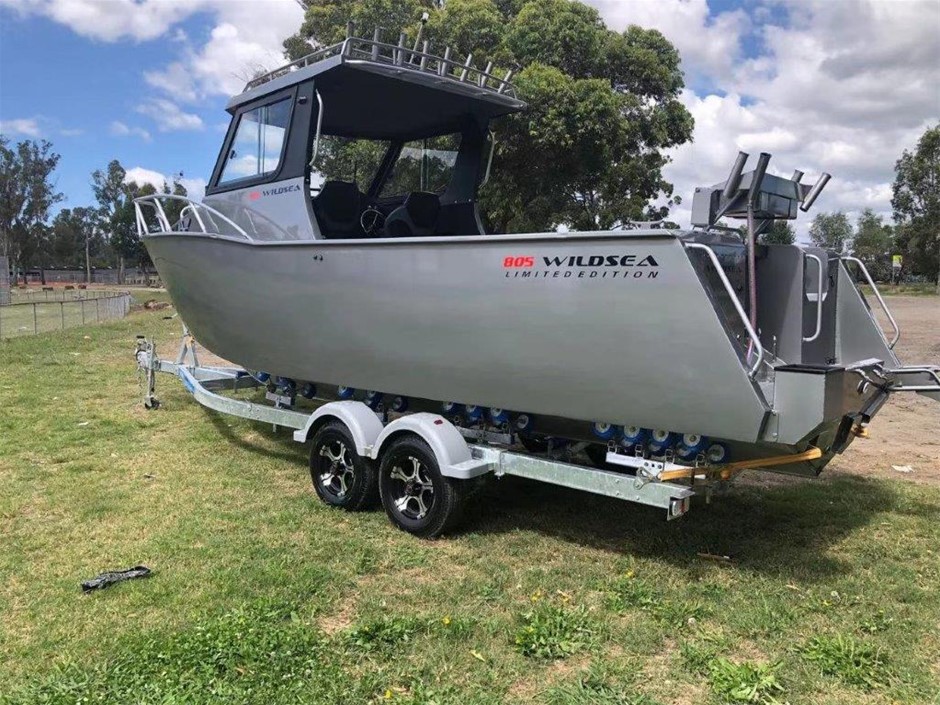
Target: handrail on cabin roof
[375,51]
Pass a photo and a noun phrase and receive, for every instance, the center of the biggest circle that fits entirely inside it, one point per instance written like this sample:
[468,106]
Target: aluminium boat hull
[610,327]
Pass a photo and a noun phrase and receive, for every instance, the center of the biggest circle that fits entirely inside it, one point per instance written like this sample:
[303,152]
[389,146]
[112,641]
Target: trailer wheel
[416,497]
[341,477]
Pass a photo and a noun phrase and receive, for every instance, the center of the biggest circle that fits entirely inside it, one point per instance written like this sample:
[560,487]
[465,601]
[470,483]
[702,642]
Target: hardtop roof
[381,91]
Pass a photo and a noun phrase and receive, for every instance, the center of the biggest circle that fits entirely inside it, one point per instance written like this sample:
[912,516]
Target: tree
[27,193]
[603,106]
[831,231]
[780,233]
[115,196]
[873,244]
[76,238]
[916,204]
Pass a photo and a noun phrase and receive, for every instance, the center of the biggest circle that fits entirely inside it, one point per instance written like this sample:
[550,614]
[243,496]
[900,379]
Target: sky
[842,86]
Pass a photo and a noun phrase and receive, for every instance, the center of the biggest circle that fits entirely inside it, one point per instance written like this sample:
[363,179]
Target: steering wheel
[372,220]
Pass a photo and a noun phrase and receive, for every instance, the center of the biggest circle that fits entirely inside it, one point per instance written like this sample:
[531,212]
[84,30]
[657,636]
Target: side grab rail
[154,202]
[884,306]
[819,298]
[755,340]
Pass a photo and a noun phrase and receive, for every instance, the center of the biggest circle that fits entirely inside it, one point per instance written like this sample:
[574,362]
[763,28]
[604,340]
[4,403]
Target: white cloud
[195,188]
[238,47]
[246,36]
[24,127]
[709,44]
[842,87]
[142,176]
[111,20]
[71,131]
[169,116]
[119,129]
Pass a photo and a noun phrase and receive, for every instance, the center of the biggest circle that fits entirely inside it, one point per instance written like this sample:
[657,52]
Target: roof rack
[376,51]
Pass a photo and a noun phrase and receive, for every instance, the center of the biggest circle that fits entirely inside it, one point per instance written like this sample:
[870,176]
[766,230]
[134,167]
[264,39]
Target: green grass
[260,594]
[904,289]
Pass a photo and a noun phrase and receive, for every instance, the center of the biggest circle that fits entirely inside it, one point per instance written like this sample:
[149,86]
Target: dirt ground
[906,432]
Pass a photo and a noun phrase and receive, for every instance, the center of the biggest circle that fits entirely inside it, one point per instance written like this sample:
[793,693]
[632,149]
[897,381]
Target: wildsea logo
[581,267]
[255,195]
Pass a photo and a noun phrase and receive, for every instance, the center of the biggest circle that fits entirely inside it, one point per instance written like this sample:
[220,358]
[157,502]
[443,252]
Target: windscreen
[423,165]
[344,159]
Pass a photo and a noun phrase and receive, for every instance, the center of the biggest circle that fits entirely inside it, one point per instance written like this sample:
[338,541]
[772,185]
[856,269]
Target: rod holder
[486,73]
[505,81]
[424,54]
[762,161]
[466,67]
[444,65]
[376,39]
[797,176]
[400,58]
[734,179]
[350,29]
[815,191]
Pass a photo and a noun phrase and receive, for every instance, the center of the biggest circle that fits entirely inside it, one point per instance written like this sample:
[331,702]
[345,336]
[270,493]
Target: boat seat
[416,217]
[338,207]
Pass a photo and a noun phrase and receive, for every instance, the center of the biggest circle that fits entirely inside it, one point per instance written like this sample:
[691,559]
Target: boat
[339,253]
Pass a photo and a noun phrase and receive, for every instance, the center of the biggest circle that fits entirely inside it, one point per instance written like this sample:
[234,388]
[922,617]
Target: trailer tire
[409,475]
[341,477]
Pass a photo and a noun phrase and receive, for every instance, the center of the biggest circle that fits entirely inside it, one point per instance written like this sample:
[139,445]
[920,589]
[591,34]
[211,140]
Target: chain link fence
[39,316]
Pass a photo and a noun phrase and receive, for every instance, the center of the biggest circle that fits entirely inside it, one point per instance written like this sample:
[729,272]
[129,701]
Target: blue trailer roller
[661,440]
[499,416]
[400,404]
[604,431]
[451,408]
[717,453]
[345,392]
[634,435]
[690,445]
[308,391]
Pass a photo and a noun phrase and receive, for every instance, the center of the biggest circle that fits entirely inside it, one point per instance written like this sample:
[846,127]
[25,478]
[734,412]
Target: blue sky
[836,85]
[77,91]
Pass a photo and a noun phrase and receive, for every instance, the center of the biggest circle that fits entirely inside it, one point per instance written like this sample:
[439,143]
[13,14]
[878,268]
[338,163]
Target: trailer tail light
[678,507]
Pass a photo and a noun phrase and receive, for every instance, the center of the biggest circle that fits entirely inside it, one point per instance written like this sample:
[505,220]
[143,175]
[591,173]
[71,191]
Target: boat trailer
[462,454]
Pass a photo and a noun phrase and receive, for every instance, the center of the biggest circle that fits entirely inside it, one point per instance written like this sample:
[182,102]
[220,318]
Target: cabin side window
[424,165]
[259,142]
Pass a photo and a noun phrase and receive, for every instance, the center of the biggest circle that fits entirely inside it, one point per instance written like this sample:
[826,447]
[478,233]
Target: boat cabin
[360,140]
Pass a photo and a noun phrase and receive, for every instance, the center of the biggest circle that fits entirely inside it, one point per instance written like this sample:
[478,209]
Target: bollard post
[97,311]
[82,302]
[35,320]
[62,313]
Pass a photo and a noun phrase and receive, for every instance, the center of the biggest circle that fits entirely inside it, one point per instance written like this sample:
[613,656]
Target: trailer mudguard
[361,421]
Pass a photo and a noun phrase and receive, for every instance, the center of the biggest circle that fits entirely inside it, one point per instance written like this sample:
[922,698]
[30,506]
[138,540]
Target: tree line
[914,235]
[102,234]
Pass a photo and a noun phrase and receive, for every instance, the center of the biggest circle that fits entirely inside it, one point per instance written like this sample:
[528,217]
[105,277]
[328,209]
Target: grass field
[36,315]
[262,595]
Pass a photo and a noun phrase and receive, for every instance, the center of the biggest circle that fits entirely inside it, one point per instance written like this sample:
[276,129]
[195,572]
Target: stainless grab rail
[154,201]
[397,55]
[884,306]
[755,341]
[819,298]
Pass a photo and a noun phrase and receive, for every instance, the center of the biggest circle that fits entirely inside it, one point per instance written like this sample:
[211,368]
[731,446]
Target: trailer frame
[462,453]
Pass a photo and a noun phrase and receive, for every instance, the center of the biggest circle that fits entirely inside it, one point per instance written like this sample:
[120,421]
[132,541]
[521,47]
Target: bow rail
[194,217]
